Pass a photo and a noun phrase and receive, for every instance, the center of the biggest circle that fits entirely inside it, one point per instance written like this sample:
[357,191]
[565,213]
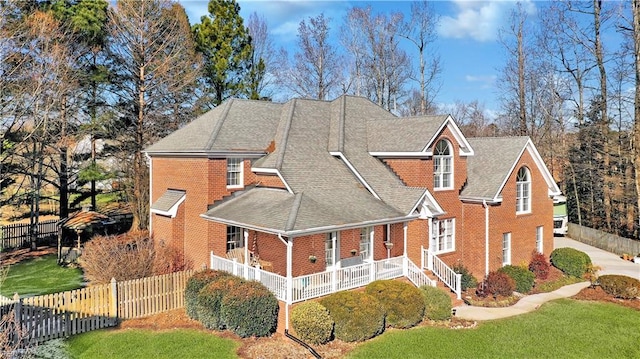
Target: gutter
[316,230]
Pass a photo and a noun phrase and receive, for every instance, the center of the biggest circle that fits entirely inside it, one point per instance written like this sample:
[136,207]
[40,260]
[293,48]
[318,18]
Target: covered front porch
[296,289]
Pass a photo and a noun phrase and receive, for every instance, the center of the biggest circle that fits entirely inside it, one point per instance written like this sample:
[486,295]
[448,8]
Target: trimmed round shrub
[539,265]
[498,283]
[198,281]
[437,303]
[571,261]
[209,301]
[402,302]
[620,286]
[249,309]
[522,276]
[312,322]
[358,316]
[467,279]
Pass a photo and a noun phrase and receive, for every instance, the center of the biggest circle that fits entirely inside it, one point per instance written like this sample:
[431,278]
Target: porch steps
[454,300]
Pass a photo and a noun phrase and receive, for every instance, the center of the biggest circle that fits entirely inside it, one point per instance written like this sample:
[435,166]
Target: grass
[137,343]
[559,329]
[41,275]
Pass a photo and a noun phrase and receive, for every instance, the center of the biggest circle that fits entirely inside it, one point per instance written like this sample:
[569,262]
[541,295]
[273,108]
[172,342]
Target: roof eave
[315,230]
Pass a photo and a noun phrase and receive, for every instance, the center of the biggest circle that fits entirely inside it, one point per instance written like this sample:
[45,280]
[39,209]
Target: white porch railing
[450,278]
[324,283]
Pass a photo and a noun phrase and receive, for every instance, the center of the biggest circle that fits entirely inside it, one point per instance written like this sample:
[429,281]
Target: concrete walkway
[608,262]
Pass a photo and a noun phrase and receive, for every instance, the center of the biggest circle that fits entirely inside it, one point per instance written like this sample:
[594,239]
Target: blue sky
[467,43]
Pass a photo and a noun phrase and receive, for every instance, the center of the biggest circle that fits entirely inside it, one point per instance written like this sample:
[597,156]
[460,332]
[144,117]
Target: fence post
[17,318]
[113,305]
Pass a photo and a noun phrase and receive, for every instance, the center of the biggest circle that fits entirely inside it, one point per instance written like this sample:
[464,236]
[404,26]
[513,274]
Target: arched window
[443,165]
[523,191]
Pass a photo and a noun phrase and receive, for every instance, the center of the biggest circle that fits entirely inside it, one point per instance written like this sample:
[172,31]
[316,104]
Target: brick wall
[204,181]
[470,217]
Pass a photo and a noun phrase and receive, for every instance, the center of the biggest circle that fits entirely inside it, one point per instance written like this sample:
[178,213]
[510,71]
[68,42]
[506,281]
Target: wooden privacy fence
[17,235]
[60,315]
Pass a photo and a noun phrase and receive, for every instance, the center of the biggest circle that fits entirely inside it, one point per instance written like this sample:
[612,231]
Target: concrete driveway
[609,262]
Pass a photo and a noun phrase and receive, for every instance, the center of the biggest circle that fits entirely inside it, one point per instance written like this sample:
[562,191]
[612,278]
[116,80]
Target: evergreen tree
[225,43]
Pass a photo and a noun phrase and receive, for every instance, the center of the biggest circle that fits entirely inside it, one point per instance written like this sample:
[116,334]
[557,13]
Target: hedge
[402,302]
[522,277]
[571,261]
[437,303]
[198,281]
[358,316]
[312,322]
[249,309]
[620,286]
[209,301]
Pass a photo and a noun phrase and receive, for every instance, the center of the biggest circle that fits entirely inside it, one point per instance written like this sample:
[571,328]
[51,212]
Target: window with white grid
[234,172]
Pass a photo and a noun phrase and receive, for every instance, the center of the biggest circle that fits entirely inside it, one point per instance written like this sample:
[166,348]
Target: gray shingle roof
[236,125]
[168,199]
[402,134]
[492,163]
[326,191]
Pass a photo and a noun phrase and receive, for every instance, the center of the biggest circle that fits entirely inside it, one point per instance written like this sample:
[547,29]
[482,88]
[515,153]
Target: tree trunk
[636,113]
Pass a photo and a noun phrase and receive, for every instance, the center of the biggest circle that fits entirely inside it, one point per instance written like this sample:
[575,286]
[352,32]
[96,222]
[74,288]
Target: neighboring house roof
[494,160]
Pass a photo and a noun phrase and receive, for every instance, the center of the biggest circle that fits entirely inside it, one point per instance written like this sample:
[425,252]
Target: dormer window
[443,165]
[234,173]
[523,191]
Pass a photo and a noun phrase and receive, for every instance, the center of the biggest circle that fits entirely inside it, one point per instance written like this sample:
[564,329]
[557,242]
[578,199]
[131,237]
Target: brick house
[312,197]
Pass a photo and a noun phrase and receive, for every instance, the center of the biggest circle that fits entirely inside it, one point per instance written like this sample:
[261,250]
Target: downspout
[486,237]
[150,194]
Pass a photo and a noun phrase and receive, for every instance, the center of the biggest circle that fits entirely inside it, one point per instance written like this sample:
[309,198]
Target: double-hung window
[506,248]
[234,238]
[365,242]
[443,165]
[523,191]
[443,235]
[234,172]
[539,239]
[331,255]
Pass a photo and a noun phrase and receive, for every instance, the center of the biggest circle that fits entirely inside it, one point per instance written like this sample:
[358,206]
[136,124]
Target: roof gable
[494,161]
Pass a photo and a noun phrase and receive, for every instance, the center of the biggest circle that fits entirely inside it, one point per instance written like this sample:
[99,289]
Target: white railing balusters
[450,278]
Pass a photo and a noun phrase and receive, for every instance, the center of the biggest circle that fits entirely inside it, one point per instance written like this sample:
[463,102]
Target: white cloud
[479,20]
[486,81]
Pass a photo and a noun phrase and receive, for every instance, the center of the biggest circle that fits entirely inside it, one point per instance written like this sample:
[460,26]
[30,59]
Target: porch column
[372,269]
[246,253]
[334,270]
[405,264]
[429,249]
[388,228]
[289,271]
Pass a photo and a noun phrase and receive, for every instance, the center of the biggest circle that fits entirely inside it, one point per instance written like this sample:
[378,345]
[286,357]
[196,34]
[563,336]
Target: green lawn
[151,344]
[559,329]
[40,275]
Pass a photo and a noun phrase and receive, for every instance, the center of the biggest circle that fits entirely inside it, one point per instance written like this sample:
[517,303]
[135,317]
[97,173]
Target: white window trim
[506,258]
[335,238]
[540,239]
[529,187]
[434,235]
[240,235]
[240,174]
[450,157]
[367,240]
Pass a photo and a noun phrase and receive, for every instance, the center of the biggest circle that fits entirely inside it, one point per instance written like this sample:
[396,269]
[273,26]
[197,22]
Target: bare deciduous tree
[315,72]
[157,68]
